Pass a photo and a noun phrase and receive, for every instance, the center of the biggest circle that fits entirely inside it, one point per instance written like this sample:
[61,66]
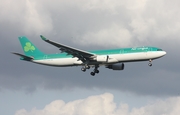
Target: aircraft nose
[163,53]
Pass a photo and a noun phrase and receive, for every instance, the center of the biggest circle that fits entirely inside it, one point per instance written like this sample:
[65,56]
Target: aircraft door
[147,51]
[45,57]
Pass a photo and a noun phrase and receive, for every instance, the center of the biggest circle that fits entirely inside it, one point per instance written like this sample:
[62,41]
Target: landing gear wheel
[92,73]
[150,64]
[83,69]
[97,71]
[87,67]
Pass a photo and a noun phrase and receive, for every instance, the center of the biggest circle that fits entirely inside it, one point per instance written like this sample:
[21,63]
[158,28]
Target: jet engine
[119,66]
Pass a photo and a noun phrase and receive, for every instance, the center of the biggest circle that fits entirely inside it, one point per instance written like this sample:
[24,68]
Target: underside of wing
[82,55]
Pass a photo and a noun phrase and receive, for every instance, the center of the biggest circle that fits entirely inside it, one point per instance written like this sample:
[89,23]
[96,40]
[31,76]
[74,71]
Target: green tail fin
[29,48]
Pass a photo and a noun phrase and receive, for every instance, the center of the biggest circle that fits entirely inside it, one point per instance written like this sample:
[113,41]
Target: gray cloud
[91,25]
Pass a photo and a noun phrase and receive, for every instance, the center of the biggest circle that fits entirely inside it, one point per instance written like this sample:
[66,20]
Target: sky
[31,89]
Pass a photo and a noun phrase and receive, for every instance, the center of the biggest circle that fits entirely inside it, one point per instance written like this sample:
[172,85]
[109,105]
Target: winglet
[43,38]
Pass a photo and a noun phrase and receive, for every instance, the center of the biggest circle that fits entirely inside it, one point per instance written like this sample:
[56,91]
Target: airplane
[112,58]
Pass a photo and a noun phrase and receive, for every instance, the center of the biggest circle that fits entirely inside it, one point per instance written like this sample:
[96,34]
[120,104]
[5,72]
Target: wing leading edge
[82,55]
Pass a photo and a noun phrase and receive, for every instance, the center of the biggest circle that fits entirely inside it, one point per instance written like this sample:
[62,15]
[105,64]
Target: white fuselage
[113,58]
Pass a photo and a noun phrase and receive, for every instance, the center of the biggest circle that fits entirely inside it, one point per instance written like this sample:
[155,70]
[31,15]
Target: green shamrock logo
[29,47]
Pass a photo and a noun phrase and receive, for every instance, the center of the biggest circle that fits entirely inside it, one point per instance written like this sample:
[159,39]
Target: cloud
[26,15]
[138,17]
[90,25]
[105,105]
[36,20]
[109,36]
[133,23]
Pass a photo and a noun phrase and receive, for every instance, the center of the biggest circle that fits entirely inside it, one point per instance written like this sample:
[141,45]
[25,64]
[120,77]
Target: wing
[82,55]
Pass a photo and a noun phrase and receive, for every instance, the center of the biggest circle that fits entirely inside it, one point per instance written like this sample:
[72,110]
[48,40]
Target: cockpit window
[159,50]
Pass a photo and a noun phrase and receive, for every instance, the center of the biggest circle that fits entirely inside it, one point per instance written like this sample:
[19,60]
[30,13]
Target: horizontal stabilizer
[24,57]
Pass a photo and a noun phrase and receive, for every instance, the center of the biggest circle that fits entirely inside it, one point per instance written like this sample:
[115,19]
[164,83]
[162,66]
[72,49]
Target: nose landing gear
[150,63]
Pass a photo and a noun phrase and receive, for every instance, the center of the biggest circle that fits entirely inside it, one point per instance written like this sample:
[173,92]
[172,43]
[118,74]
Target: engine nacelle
[103,58]
[116,66]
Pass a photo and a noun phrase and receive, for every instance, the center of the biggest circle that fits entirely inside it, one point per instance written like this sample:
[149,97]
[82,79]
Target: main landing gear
[150,63]
[95,71]
[84,68]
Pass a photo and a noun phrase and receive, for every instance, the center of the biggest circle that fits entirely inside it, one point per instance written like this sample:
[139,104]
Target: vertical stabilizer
[29,48]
